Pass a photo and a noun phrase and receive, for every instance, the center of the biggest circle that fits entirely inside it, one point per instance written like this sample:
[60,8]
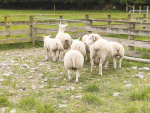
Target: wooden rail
[126,26]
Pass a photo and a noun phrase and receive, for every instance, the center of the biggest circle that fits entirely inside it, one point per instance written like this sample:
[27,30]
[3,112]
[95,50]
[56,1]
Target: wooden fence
[127,27]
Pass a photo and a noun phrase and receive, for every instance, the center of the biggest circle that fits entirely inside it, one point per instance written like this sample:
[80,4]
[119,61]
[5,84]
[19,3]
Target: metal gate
[47,26]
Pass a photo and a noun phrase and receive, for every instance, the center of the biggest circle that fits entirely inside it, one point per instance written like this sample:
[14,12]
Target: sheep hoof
[76,82]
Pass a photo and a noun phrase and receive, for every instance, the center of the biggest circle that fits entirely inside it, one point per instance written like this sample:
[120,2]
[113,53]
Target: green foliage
[91,88]
[92,99]
[4,102]
[141,94]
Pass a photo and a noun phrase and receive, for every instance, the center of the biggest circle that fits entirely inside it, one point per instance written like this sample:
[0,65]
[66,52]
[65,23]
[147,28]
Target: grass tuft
[92,99]
[141,94]
[91,88]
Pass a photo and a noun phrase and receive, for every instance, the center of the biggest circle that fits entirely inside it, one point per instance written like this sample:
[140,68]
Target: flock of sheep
[100,51]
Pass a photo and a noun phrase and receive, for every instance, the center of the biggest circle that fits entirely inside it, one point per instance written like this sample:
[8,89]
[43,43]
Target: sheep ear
[49,35]
[58,24]
[66,25]
[87,34]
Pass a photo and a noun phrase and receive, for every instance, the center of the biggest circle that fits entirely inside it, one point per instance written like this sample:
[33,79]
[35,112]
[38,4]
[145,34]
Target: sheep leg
[77,75]
[54,55]
[114,61]
[92,64]
[120,62]
[86,56]
[100,66]
[47,56]
[69,77]
[106,65]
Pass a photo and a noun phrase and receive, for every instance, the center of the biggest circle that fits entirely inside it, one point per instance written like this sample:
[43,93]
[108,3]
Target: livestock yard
[30,84]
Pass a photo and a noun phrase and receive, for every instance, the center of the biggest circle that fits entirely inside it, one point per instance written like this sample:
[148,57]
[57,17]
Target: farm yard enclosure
[29,84]
[127,25]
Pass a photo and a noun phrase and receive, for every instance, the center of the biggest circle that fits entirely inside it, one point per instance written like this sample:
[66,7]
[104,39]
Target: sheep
[55,47]
[73,60]
[101,50]
[65,38]
[86,46]
[90,39]
[118,50]
[78,45]
[62,28]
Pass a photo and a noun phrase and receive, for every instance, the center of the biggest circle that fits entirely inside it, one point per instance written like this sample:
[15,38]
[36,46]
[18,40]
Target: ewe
[95,37]
[86,46]
[78,45]
[118,50]
[55,47]
[65,38]
[101,50]
[73,60]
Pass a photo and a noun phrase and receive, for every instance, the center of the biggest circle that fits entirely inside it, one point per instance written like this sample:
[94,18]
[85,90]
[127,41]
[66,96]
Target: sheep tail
[73,61]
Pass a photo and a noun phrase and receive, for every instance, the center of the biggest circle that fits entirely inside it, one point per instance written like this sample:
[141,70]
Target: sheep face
[90,40]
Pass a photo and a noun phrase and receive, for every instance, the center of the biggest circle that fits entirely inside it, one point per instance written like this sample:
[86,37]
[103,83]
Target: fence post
[133,8]
[89,23]
[7,27]
[131,37]
[140,9]
[87,16]
[109,18]
[144,20]
[61,17]
[129,16]
[31,29]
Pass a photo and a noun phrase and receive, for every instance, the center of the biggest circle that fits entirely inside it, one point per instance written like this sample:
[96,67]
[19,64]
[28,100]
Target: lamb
[101,50]
[78,45]
[55,47]
[118,50]
[84,38]
[65,38]
[73,60]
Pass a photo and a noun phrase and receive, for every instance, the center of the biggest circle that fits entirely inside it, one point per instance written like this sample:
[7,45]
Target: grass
[97,91]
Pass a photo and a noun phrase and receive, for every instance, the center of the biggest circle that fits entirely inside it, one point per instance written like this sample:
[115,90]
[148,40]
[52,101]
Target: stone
[134,67]
[1,80]
[78,97]
[116,94]
[41,87]
[144,69]
[30,77]
[33,87]
[54,86]
[139,76]
[6,74]
[26,66]
[128,85]
[125,81]
[13,111]
[22,88]
[40,75]
[62,106]
[80,88]
[45,80]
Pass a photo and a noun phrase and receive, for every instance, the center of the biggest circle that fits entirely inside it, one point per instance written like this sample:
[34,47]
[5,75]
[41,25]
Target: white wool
[73,59]
[78,45]
[55,47]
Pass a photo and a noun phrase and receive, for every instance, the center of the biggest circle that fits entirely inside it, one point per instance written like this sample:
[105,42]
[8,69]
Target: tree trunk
[54,6]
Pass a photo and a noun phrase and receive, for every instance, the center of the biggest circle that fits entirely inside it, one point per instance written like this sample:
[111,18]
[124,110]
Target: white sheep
[78,45]
[101,50]
[73,60]
[84,38]
[118,50]
[93,36]
[55,47]
[65,38]
[62,28]
[91,39]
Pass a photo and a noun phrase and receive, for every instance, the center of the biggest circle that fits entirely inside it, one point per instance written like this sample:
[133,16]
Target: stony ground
[23,71]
